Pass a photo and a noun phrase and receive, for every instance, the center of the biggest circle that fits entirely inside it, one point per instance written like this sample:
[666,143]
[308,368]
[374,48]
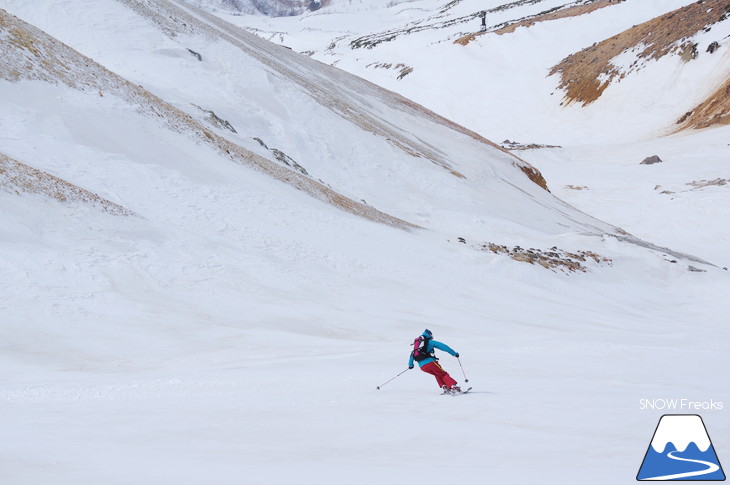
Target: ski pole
[381,385]
[462,370]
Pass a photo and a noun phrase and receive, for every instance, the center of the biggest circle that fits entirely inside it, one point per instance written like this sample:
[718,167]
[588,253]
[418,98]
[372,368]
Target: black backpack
[420,346]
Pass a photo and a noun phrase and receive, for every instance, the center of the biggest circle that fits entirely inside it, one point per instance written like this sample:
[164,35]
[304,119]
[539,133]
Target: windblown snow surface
[284,230]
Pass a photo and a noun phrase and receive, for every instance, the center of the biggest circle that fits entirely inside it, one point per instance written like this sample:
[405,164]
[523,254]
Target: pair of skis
[455,393]
[446,392]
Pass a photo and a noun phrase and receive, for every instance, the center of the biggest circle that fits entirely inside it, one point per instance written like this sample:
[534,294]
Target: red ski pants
[442,377]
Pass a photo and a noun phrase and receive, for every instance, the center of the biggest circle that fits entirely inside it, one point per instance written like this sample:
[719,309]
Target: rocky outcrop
[651,160]
[283,157]
[216,120]
[553,259]
[272,8]
[713,47]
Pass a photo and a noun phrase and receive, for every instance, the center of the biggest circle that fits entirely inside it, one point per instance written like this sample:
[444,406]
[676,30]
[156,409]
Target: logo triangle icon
[681,450]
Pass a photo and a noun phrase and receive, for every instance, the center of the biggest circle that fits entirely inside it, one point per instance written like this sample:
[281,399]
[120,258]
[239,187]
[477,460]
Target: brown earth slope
[715,110]
[20,178]
[586,74]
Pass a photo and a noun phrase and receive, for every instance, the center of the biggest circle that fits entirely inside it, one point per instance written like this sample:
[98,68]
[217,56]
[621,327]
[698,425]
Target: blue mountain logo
[681,450]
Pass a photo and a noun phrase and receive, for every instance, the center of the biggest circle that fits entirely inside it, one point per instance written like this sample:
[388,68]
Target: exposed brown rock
[586,74]
[715,110]
[553,259]
[698,184]
[534,175]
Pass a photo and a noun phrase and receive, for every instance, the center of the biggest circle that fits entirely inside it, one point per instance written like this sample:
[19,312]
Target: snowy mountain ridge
[404,47]
[59,64]
[101,80]
[512,98]
[329,95]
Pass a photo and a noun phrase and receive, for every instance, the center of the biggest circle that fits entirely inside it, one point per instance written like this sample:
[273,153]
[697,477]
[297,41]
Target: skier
[423,353]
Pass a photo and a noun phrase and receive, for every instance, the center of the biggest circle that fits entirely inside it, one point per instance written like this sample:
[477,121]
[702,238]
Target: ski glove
[457,355]
[410,367]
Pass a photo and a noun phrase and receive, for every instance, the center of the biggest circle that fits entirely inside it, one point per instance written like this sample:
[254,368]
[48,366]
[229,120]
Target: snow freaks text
[679,405]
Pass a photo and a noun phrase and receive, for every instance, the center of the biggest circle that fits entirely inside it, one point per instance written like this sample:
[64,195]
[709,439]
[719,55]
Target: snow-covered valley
[215,248]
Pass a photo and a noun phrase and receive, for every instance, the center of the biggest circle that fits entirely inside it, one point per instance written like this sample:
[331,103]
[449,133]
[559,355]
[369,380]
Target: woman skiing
[423,353]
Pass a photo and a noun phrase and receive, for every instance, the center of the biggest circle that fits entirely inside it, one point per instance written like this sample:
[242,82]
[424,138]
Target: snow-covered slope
[349,134]
[210,260]
[498,83]
[418,50]
[18,178]
[31,55]
[273,8]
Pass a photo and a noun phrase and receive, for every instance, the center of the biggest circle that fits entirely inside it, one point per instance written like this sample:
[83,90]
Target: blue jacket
[432,344]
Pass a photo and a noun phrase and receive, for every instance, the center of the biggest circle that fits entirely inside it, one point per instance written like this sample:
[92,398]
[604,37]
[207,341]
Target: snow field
[237,330]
